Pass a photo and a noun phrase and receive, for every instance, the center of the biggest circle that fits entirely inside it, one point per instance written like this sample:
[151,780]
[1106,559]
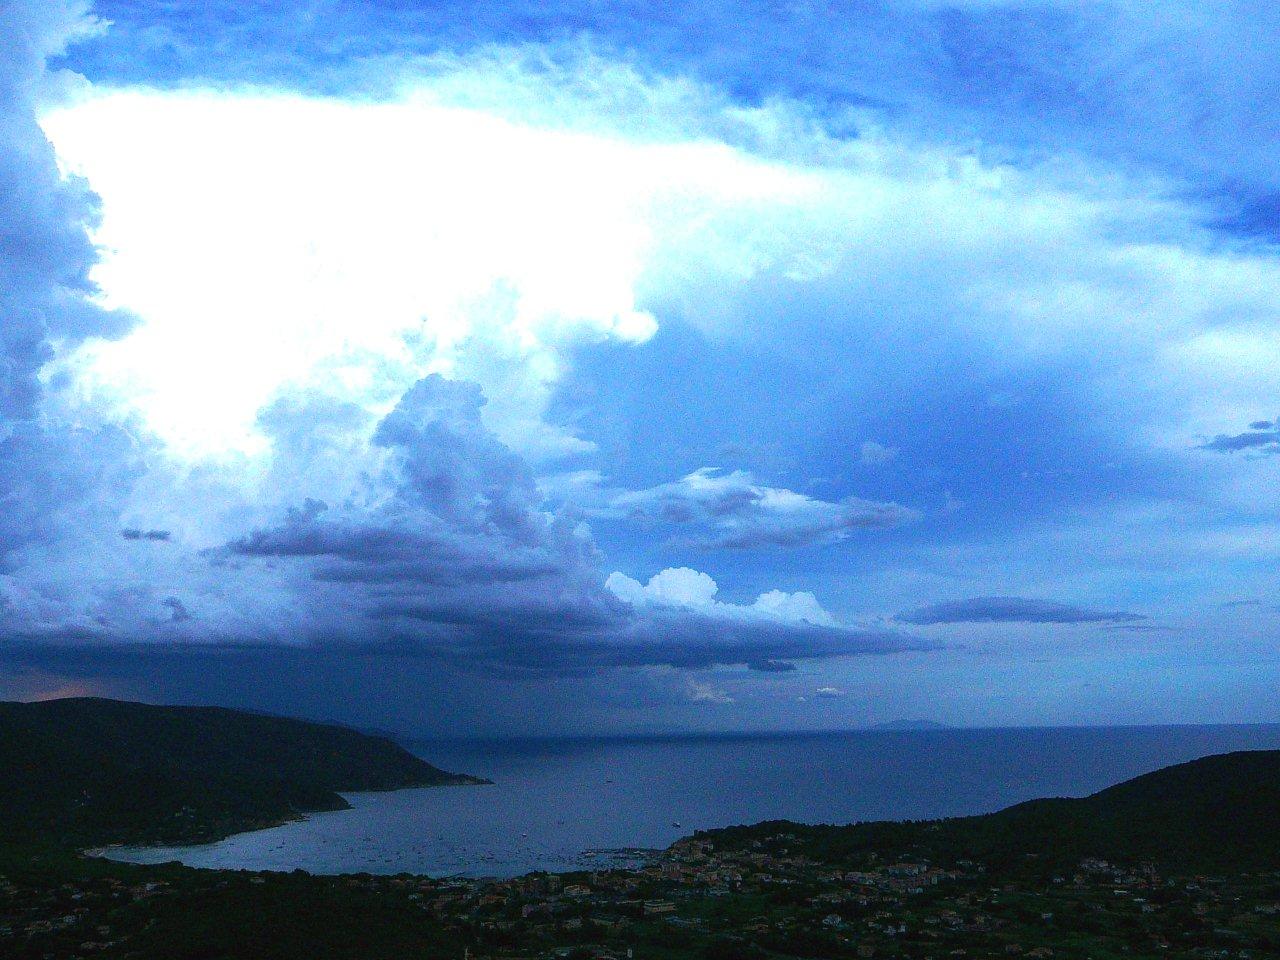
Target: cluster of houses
[68,906]
[768,893]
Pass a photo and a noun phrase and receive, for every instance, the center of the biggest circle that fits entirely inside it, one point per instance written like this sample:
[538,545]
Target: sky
[622,367]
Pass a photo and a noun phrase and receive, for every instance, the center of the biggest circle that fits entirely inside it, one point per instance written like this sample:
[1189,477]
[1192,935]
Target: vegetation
[1215,814]
[92,771]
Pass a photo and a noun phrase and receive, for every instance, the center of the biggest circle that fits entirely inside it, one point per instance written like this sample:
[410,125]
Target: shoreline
[102,851]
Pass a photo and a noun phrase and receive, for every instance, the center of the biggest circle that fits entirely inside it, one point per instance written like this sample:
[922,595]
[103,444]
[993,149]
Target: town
[705,897]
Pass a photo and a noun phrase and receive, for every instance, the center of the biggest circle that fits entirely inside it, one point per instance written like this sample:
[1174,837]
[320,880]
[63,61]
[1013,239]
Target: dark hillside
[1219,813]
[91,771]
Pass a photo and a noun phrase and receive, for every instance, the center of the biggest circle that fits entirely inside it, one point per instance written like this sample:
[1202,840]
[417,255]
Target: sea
[590,803]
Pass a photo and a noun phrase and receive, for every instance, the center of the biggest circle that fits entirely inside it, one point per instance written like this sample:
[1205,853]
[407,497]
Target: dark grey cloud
[1012,610]
[517,648]
[133,533]
[693,640]
[771,666]
[452,553]
[178,612]
[1263,436]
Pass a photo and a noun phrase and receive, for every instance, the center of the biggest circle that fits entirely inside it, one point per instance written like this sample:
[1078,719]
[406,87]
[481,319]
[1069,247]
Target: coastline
[103,851]
[556,801]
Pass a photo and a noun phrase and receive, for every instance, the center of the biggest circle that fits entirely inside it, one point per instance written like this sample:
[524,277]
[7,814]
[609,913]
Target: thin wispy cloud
[1012,610]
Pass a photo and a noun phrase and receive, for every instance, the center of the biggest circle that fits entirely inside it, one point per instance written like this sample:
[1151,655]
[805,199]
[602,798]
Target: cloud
[1011,610]
[133,533]
[700,692]
[45,290]
[178,611]
[771,666]
[781,263]
[737,512]
[680,621]
[1262,436]
[450,530]
[47,297]
[873,453]
[450,550]
[683,588]
[829,693]
[694,638]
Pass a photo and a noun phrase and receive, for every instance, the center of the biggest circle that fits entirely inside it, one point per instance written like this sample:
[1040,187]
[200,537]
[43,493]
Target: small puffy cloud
[873,453]
[705,693]
[1011,610]
[829,693]
[734,511]
[676,587]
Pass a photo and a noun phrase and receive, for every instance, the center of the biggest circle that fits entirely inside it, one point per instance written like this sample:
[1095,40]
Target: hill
[96,771]
[1218,813]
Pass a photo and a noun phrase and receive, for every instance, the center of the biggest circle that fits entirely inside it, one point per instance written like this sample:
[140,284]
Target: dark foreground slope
[1219,813]
[93,771]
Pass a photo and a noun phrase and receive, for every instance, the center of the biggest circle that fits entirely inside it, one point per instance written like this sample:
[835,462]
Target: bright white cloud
[491,215]
[800,606]
[273,241]
[684,588]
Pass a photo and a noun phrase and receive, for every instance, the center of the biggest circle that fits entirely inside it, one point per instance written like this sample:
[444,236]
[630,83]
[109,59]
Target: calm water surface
[562,804]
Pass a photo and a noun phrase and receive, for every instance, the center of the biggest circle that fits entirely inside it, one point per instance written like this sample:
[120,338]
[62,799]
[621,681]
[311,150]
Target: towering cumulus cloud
[446,549]
[647,366]
[383,518]
[447,532]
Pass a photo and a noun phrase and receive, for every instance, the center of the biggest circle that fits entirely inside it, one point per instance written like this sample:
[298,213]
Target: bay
[571,804]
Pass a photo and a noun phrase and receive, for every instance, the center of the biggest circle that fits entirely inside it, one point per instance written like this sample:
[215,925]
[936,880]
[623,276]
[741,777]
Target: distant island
[89,771]
[1180,863]
[905,725]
